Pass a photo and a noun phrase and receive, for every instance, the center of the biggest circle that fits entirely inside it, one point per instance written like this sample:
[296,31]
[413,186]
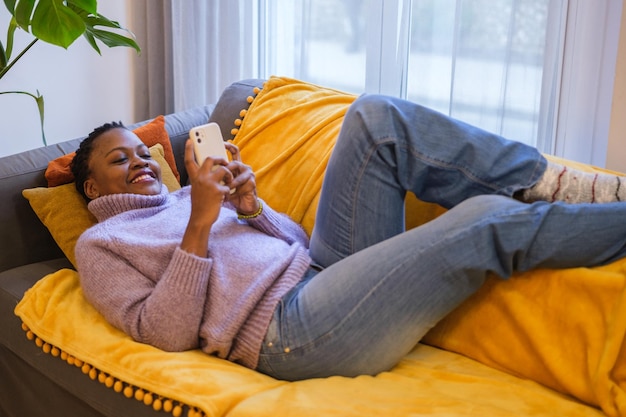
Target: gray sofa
[31,382]
[429,381]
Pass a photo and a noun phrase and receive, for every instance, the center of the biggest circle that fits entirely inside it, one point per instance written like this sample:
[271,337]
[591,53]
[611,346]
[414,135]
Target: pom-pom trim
[150,399]
[238,122]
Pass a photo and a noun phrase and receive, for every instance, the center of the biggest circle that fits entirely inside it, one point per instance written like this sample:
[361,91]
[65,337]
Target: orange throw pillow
[59,172]
[152,133]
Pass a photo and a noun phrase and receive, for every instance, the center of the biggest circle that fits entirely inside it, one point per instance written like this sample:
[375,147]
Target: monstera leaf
[59,22]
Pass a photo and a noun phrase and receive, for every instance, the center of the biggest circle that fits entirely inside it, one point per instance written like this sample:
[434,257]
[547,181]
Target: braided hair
[80,162]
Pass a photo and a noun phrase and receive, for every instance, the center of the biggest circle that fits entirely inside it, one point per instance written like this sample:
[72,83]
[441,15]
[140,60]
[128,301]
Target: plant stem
[8,67]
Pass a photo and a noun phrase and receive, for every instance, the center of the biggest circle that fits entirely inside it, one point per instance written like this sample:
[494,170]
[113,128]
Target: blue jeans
[382,288]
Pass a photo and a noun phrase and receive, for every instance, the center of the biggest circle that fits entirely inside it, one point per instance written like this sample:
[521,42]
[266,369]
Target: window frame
[586,95]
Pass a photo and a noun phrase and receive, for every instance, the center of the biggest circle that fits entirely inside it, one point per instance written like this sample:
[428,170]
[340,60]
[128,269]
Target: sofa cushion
[16,281]
[64,211]
[39,383]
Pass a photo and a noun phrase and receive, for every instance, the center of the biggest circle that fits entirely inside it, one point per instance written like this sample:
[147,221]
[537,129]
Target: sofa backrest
[234,98]
[23,238]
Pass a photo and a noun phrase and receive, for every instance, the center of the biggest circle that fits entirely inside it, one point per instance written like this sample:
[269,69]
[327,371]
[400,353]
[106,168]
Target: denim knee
[371,106]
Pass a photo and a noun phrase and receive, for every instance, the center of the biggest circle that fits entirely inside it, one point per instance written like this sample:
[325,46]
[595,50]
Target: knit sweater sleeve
[165,313]
[279,225]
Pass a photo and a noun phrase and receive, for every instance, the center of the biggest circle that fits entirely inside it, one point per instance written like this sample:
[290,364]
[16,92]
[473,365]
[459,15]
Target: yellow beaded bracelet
[253,215]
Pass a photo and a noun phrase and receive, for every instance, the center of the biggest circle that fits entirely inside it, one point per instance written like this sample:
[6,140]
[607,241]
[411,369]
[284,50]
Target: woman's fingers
[234,151]
[190,161]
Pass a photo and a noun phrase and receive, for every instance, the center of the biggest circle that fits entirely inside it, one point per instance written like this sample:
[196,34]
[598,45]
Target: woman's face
[121,163]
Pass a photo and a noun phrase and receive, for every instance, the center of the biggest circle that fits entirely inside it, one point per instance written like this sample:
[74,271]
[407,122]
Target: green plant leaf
[109,38]
[55,23]
[112,39]
[40,107]
[22,13]
[92,41]
[10,4]
[101,20]
[90,6]
[3,57]
[10,36]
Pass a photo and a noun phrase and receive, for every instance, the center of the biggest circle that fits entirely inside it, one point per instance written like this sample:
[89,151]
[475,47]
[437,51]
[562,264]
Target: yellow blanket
[428,381]
[563,329]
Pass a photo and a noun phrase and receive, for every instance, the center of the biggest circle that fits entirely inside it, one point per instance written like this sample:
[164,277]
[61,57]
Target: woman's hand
[208,192]
[243,193]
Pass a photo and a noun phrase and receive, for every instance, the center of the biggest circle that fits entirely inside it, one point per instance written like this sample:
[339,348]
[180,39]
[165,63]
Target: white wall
[81,89]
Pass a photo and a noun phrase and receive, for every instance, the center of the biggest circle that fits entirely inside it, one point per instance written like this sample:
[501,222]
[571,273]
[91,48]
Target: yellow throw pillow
[64,211]
[287,136]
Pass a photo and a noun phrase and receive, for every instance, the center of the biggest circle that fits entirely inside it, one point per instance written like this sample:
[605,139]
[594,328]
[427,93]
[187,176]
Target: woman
[202,267]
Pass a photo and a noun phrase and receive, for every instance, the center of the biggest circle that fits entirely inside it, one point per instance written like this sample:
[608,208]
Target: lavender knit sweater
[135,274]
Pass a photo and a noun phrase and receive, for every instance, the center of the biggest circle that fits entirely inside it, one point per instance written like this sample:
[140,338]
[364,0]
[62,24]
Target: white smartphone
[208,141]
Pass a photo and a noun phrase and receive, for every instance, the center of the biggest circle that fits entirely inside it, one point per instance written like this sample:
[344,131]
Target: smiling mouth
[141,178]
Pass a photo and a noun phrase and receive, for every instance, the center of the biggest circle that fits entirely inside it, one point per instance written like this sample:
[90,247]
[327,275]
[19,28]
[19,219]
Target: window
[537,71]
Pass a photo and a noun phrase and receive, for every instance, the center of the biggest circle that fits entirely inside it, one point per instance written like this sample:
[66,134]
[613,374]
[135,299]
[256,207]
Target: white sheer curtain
[481,61]
[206,50]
